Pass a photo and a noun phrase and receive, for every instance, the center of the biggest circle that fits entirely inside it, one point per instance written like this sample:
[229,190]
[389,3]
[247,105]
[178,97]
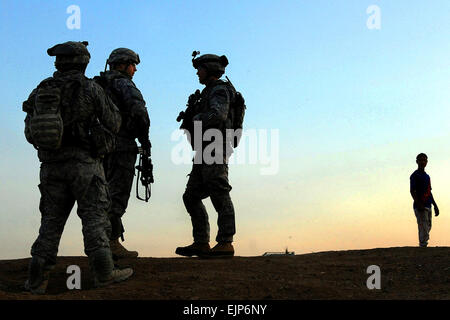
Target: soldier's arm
[106,111]
[135,103]
[219,104]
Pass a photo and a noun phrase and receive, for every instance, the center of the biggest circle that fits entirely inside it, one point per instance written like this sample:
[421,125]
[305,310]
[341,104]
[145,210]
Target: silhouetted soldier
[120,164]
[68,121]
[211,109]
[420,188]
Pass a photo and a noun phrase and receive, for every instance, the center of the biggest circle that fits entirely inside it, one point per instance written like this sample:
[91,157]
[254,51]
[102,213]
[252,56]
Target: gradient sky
[353,107]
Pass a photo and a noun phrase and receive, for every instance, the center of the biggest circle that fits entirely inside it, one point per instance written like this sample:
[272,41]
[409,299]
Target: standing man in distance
[62,114]
[420,188]
[211,109]
[120,164]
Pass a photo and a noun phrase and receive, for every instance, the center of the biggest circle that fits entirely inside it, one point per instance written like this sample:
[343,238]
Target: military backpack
[46,125]
[236,114]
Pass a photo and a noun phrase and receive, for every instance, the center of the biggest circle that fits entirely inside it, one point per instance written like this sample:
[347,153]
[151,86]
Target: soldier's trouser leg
[38,275]
[93,203]
[225,220]
[101,264]
[92,209]
[216,181]
[424,225]
[55,206]
[192,199]
[199,217]
[119,171]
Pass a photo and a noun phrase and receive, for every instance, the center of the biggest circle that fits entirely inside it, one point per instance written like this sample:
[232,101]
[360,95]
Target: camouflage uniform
[74,173]
[211,180]
[120,164]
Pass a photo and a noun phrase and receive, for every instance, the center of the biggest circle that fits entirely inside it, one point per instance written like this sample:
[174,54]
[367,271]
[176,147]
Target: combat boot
[120,252]
[222,250]
[102,267]
[196,249]
[117,275]
[38,275]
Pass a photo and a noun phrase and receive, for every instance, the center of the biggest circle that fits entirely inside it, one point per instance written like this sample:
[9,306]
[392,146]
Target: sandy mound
[406,273]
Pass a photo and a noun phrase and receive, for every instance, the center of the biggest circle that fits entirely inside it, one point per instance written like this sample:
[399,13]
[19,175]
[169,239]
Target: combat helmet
[72,52]
[123,55]
[211,62]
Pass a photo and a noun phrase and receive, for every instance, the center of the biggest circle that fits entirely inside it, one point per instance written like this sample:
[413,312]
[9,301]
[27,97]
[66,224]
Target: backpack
[237,113]
[46,126]
[107,83]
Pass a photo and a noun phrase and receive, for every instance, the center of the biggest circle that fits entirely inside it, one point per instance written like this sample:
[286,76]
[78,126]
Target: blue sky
[353,107]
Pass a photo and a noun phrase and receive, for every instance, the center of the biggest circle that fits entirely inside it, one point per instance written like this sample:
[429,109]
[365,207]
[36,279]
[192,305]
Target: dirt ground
[406,273]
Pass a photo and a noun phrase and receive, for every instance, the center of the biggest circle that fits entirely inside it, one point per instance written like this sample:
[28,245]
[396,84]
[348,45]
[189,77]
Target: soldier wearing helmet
[70,55]
[212,64]
[120,164]
[71,171]
[212,111]
[124,60]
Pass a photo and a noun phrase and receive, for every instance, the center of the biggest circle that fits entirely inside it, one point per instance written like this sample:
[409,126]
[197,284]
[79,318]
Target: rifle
[144,174]
[189,113]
